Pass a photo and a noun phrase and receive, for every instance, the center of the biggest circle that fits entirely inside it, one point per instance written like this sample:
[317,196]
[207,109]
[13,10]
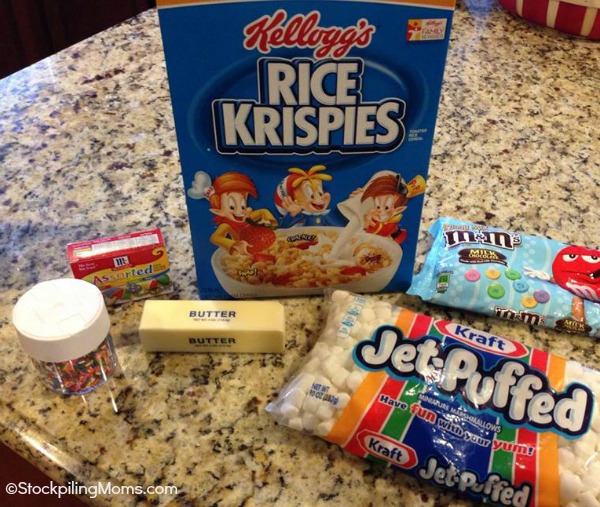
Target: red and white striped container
[576,17]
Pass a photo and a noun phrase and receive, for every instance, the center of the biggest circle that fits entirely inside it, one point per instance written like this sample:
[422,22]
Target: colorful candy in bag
[506,274]
[482,415]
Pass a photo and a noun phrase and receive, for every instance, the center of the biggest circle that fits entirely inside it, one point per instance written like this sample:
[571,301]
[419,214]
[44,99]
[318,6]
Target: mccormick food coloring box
[125,268]
[305,130]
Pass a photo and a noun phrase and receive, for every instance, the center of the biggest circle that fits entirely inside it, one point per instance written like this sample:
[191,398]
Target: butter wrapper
[213,326]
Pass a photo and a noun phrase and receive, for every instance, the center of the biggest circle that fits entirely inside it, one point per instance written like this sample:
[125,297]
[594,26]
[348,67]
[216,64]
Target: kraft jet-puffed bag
[463,409]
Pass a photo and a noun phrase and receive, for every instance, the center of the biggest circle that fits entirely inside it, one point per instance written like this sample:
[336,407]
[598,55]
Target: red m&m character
[577,269]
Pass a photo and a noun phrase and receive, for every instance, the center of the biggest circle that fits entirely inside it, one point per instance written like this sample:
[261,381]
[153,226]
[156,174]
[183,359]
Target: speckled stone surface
[88,149]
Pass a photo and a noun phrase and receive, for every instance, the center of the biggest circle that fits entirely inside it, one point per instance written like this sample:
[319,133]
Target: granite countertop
[88,149]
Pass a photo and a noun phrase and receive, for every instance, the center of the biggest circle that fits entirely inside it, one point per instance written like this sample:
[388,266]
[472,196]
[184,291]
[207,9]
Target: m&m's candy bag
[523,278]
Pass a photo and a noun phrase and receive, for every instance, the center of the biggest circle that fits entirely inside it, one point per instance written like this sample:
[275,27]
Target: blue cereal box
[305,130]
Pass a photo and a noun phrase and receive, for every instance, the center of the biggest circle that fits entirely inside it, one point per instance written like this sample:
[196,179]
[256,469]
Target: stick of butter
[212,326]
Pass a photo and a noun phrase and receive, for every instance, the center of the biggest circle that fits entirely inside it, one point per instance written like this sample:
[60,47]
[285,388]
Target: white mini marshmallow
[589,376]
[343,399]
[339,378]
[587,499]
[324,428]
[357,331]
[296,424]
[349,365]
[340,296]
[354,380]
[325,412]
[295,397]
[310,421]
[590,481]
[289,411]
[367,315]
[378,305]
[334,352]
[321,350]
[331,367]
[356,368]
[312,365]
[570,486]
[383,314]
[585,445]
[566,458]
[347,343]
[594,469]
[311,404]
[574,370]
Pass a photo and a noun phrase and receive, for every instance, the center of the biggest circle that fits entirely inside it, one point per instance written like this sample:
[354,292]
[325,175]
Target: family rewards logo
[308,104]
[426,29]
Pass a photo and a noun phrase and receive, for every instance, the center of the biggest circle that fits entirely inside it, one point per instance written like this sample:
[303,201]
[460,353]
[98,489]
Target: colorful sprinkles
[82,375]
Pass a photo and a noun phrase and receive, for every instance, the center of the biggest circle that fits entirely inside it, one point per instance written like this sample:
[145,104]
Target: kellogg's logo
[303,31]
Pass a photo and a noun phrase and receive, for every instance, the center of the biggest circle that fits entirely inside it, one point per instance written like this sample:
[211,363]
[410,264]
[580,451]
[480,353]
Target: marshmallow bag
[467,410]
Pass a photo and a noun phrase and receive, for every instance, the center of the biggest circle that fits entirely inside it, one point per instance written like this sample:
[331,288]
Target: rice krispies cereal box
[305,130]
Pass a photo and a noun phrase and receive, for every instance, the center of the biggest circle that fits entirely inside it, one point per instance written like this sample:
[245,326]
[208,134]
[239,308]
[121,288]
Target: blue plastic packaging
[523,278]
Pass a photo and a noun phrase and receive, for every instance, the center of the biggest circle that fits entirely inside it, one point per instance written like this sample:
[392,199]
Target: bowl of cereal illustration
[306,260]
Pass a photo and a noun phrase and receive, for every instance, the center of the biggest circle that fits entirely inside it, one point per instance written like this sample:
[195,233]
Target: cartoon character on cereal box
[383,201]
[301,199]
[240,229]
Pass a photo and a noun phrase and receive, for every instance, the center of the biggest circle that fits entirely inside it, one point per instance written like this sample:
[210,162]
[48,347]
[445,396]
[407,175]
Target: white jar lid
[61,319]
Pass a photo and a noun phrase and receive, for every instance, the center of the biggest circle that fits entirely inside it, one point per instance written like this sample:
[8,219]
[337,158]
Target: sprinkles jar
[64,326]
